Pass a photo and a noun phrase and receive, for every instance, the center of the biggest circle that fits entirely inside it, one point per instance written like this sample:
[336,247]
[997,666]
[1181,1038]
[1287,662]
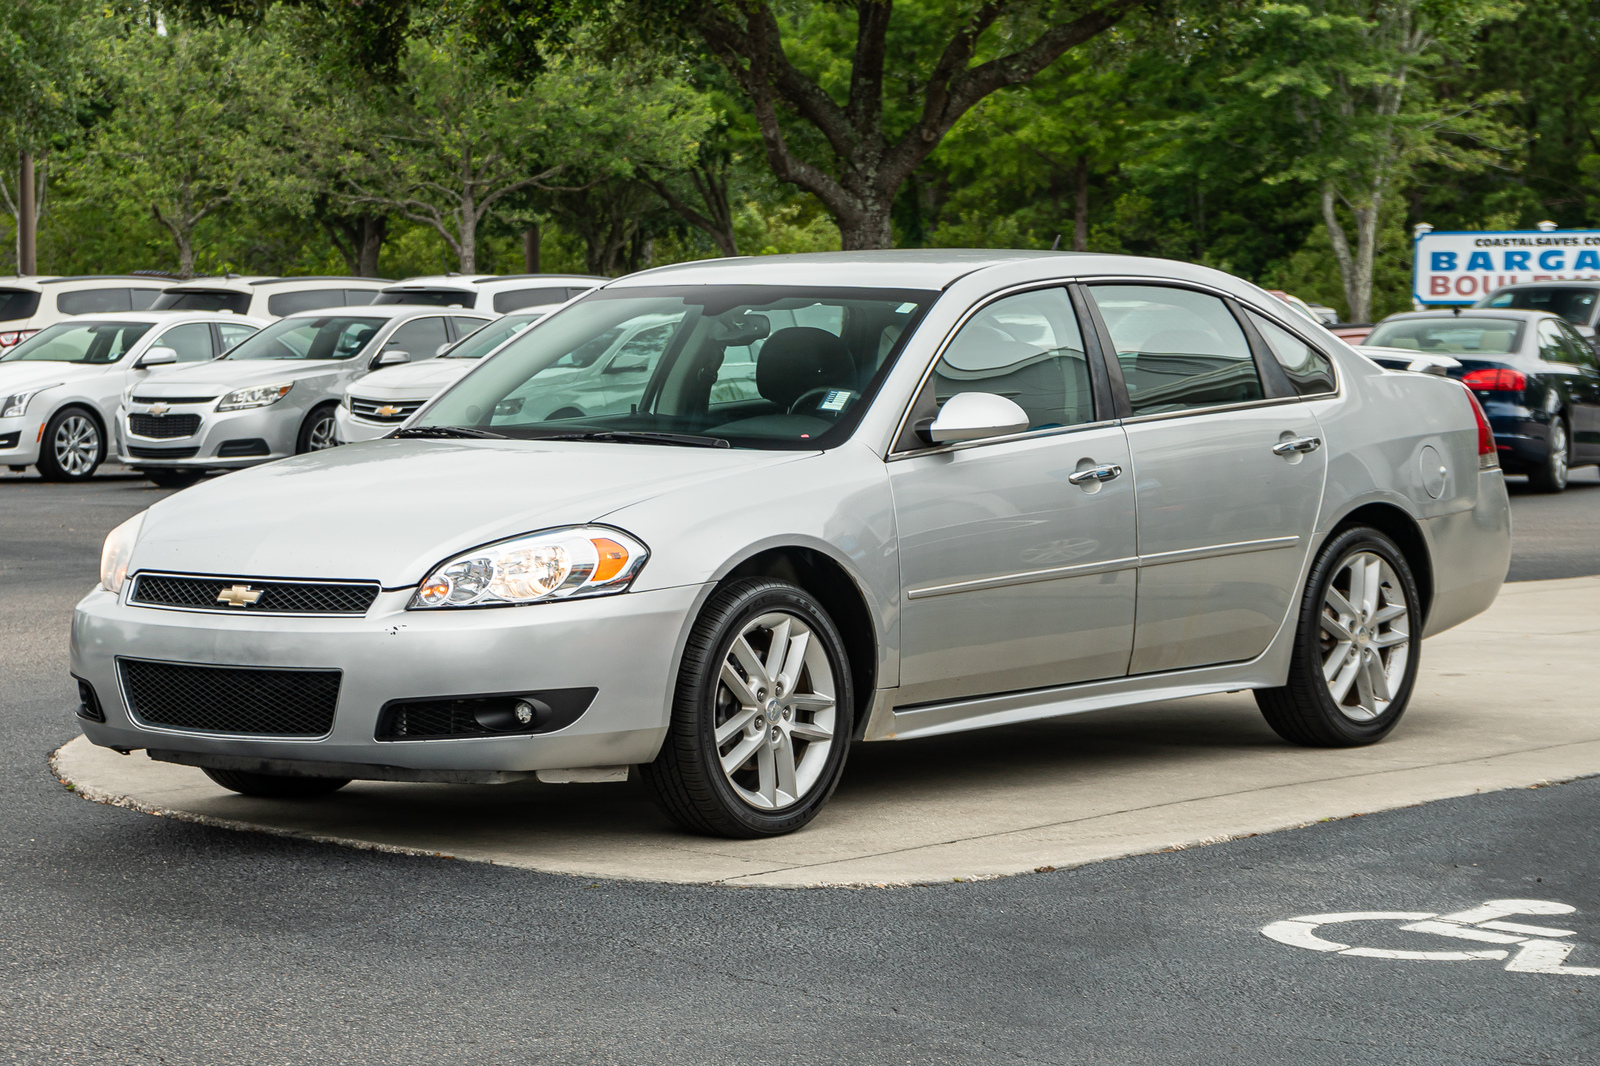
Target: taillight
[1488,459]
[16,336]
[1495,380]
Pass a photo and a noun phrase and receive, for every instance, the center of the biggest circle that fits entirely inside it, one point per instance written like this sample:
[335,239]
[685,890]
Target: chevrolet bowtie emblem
[159,409]
[388,410]
[238,596]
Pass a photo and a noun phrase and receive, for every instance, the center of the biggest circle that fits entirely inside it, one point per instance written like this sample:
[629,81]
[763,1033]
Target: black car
[1535,375]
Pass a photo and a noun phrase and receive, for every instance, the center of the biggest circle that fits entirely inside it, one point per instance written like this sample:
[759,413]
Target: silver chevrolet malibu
[864,496]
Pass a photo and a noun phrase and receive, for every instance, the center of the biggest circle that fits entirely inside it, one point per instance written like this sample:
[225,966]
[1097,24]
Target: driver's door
[1018,558]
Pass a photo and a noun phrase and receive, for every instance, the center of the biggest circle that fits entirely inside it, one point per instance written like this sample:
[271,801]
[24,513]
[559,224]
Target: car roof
[35,281]
[1471,312]
[904,268]
[1565,283]
[390,311]
[245,284]
[165,316]
[468,283]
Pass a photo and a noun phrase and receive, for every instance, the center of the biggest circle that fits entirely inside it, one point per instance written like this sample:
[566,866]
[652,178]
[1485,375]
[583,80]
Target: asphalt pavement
[129,939]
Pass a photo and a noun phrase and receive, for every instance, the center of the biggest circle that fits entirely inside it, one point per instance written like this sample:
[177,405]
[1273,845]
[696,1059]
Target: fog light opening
[515,715]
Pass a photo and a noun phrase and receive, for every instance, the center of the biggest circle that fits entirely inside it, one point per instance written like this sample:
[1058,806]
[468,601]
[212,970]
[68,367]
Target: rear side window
[192,342]
[17,304]
[232,333]
[1178,349]
[1582,351]
[93,301]
[517,299]
[287,303]
[1552,348]
[419,339]
[202,300]
[358,297]
[466,327]
[1027,348]
[142,299]
[1307,369]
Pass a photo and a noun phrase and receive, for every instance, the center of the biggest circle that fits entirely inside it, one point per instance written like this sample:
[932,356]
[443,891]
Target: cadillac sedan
[957,489]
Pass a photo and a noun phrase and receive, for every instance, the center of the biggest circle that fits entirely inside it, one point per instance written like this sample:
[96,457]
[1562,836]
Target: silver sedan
[864,496]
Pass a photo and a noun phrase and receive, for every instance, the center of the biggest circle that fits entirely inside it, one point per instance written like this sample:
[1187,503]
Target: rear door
[1228,470]
[1585,394]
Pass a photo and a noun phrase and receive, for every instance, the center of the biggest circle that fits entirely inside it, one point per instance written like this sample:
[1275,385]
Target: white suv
[499,293]
[269,297]
[27,305]
[59,389]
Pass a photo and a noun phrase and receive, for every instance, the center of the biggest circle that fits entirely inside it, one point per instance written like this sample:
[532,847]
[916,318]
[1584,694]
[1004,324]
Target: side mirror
[158,356]
[445,347]
[974,416]
[392,357]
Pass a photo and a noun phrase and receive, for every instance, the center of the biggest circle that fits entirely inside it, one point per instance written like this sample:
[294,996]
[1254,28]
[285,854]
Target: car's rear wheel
[1356,647]
[173,479]
[275,786]
[318,431]
[72,448]
[762,715]
[1551,476]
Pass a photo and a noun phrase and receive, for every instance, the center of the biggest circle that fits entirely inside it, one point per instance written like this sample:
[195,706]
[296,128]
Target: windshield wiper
[448,431]
[639,436]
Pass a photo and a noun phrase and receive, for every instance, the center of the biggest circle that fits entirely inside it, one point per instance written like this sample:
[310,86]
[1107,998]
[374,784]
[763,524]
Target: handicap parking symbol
[1525,948]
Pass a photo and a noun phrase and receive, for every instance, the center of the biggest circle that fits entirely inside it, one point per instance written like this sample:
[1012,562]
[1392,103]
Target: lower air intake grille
[253,596]
[162,453]
[483,716]
[231,699]
[161,427]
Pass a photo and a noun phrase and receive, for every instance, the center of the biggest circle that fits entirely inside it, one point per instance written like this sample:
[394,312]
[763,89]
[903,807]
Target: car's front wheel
[318,431]
[1551,476]
[72,447]
[762,715]
[275,786]
[1356,647]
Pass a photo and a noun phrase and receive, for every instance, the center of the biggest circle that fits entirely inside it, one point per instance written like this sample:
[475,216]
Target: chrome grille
[384,410]
[198,593]
[161,427]
[231,699]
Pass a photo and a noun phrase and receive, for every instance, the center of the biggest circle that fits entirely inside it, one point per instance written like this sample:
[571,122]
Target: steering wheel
[810,398]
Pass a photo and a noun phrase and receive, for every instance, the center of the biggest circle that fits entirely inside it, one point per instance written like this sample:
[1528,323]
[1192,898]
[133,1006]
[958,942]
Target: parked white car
[29,304]
[276,394]
[263,297]
[59,388]
[501,293]
[379,402]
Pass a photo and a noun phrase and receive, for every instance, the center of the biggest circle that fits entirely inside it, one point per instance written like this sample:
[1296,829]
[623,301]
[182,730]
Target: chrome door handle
[1096,473]
[1298,444]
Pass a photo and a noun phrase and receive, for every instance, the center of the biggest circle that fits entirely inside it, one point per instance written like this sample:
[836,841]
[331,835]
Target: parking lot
[131,938]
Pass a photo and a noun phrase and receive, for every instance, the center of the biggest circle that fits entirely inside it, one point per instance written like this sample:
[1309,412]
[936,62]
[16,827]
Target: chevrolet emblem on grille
[388,410]
[159,409]
[238,596]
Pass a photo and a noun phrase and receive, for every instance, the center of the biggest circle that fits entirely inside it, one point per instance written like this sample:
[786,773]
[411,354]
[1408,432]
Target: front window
[1576,305]
[70,342]
[1448,336]
[490,337]
[752,366]
[323,337]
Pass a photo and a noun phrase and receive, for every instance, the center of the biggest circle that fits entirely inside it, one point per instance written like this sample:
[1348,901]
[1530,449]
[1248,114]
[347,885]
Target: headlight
[255,396]
[17,403]
[558,564]
[118,550]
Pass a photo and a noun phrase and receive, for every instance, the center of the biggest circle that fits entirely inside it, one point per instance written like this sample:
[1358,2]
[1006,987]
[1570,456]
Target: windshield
[1574,305]
[79,342]
[762,367]
[490,337]
[202,300]
[323,337]
[1449,336]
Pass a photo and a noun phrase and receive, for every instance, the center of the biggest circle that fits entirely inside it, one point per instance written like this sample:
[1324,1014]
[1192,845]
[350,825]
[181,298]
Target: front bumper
[215,444]
[349,429]
[19,440]
[626,646]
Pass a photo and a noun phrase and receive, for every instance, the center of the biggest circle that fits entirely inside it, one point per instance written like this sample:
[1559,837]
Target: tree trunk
[866,227]
[1080,207]
[1357,306]
[374,231]
[27,218]
[531,250]
[185,253]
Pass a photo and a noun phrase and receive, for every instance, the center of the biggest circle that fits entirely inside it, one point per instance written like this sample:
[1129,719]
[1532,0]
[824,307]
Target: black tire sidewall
[696,695]
[302,440]
[1308,650]
[47,465]
[1544,479]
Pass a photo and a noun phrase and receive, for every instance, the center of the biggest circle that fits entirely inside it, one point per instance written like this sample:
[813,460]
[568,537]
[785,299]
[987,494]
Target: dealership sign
[1462,268]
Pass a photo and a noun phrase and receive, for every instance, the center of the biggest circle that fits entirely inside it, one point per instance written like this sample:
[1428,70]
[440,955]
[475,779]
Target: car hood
[27,374]
[222,374]
[389,510]
[414,381]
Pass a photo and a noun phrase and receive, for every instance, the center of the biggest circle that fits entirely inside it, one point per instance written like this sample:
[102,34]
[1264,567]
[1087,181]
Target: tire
[173,479]
[73,446]
[687,779]
[1551,476]
[275,786]
[1349,710]
[318,431]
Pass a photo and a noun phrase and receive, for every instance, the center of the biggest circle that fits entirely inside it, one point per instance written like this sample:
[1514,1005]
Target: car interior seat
[799,359]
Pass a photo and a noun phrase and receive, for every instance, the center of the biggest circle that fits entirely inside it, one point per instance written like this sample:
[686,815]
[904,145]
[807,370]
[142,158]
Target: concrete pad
[1509,700]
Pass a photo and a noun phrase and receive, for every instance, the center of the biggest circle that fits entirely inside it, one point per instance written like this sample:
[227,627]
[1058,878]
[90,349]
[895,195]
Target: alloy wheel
[1366,636]
[76,445]
[322,434]
[1558,453]
[775,712]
